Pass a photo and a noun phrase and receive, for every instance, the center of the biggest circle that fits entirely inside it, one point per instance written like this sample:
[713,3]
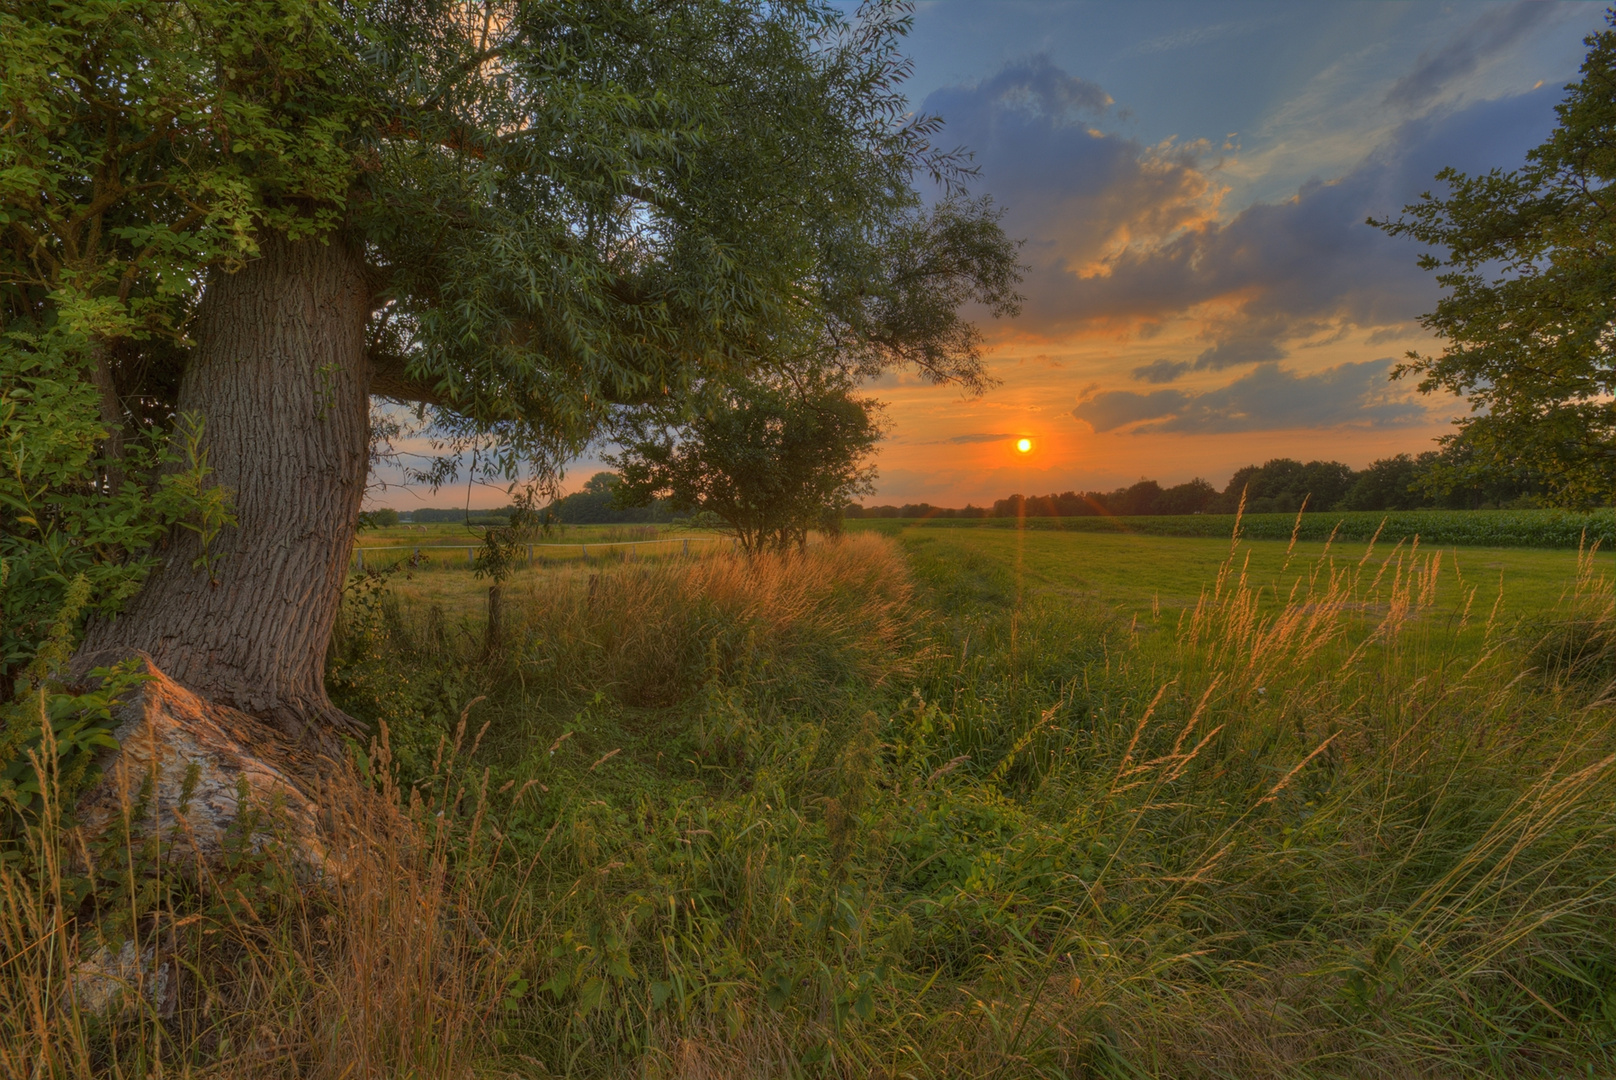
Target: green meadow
[1138,572]
[934,801]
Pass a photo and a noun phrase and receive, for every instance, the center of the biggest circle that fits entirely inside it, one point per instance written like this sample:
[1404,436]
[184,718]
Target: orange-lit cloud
[1166,333]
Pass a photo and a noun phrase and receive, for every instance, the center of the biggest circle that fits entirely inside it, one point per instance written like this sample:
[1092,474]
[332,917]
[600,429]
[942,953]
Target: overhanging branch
[389,380]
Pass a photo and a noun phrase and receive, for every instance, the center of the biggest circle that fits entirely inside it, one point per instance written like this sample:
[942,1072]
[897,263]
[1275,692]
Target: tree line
[1279,486]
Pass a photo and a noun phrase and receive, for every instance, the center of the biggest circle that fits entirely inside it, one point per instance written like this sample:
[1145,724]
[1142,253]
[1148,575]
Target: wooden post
[687,545]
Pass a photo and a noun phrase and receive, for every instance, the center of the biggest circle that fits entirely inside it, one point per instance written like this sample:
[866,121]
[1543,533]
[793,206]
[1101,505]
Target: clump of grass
[393,961]
[1578,644]
[668,633]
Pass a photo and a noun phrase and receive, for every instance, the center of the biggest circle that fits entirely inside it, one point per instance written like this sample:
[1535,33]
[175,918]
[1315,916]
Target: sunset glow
[1203,292]
[1190,184]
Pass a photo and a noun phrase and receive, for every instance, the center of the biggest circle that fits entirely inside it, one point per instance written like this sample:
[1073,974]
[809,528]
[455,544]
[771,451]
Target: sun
[1024,445]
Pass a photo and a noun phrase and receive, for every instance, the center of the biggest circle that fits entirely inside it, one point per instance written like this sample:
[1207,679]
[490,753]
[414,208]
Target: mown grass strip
[1483,528]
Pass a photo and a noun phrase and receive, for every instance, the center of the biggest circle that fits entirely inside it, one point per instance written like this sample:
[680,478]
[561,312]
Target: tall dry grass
[391,959]
[1403,832]
[650,632]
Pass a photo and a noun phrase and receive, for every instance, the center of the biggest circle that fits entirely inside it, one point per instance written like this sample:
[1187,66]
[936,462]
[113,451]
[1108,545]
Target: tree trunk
[281,381]
[111,407]
[494,633]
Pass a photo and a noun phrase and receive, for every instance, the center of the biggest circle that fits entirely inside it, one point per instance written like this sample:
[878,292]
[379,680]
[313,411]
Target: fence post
[417,557]
[687,545]
[359,553]
[471,555]
[530,554]
[585,549]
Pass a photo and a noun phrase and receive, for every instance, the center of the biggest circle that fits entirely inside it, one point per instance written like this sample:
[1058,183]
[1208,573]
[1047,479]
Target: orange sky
[1042,381]
[1190,183]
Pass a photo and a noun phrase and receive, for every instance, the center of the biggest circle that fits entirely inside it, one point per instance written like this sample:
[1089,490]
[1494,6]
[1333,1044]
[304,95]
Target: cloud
[1494,32]
[1267,398]
[1251,348]
[1119,408]
[1077,194]
[1125,237]
[1037,85]
[980,437]
[1196,35]
[1162,371]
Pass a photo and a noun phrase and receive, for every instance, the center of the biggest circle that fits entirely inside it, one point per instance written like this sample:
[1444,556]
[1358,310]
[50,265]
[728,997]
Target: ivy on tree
[772,459]
[1528,262]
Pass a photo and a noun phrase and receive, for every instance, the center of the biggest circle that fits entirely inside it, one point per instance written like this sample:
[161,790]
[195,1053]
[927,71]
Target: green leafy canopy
[771,459]
[1527,259]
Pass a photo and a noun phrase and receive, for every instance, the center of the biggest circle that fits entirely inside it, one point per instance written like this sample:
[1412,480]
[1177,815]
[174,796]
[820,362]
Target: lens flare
[1024,445]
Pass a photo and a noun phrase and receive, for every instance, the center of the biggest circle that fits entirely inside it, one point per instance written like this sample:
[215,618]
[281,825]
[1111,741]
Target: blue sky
[1191,182]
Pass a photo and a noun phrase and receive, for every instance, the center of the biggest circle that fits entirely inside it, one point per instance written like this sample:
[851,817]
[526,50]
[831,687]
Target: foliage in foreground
[77,530]
[126,957]
[1524,259]
[773,817]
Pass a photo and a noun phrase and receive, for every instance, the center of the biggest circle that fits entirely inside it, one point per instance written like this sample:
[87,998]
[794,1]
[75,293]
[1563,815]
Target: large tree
[1528,265]
[512,214]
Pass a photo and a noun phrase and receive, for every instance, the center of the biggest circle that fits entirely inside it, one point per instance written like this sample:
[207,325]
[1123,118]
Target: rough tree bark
[281,379]
[106,387]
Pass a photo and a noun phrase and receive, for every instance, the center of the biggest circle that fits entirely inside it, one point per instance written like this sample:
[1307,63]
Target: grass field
[447,546]
[947,802]
[1486,528]
[1137,572]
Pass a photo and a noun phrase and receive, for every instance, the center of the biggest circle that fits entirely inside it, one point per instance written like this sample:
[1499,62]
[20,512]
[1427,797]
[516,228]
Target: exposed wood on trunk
[281,379]
[164,733]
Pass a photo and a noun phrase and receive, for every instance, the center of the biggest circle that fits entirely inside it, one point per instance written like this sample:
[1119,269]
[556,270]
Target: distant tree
[458,515]
[596,503]
[502,551]
[378,519]
[1388,484]
[1282,485]
[1529,271]
[1140,499]
[1192,497]
[1452,479]
[771,460]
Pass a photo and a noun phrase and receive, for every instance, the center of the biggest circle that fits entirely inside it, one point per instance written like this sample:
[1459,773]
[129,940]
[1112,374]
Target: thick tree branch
[388,380]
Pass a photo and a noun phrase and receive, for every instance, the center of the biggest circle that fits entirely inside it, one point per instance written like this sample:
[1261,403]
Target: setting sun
[1024,445]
